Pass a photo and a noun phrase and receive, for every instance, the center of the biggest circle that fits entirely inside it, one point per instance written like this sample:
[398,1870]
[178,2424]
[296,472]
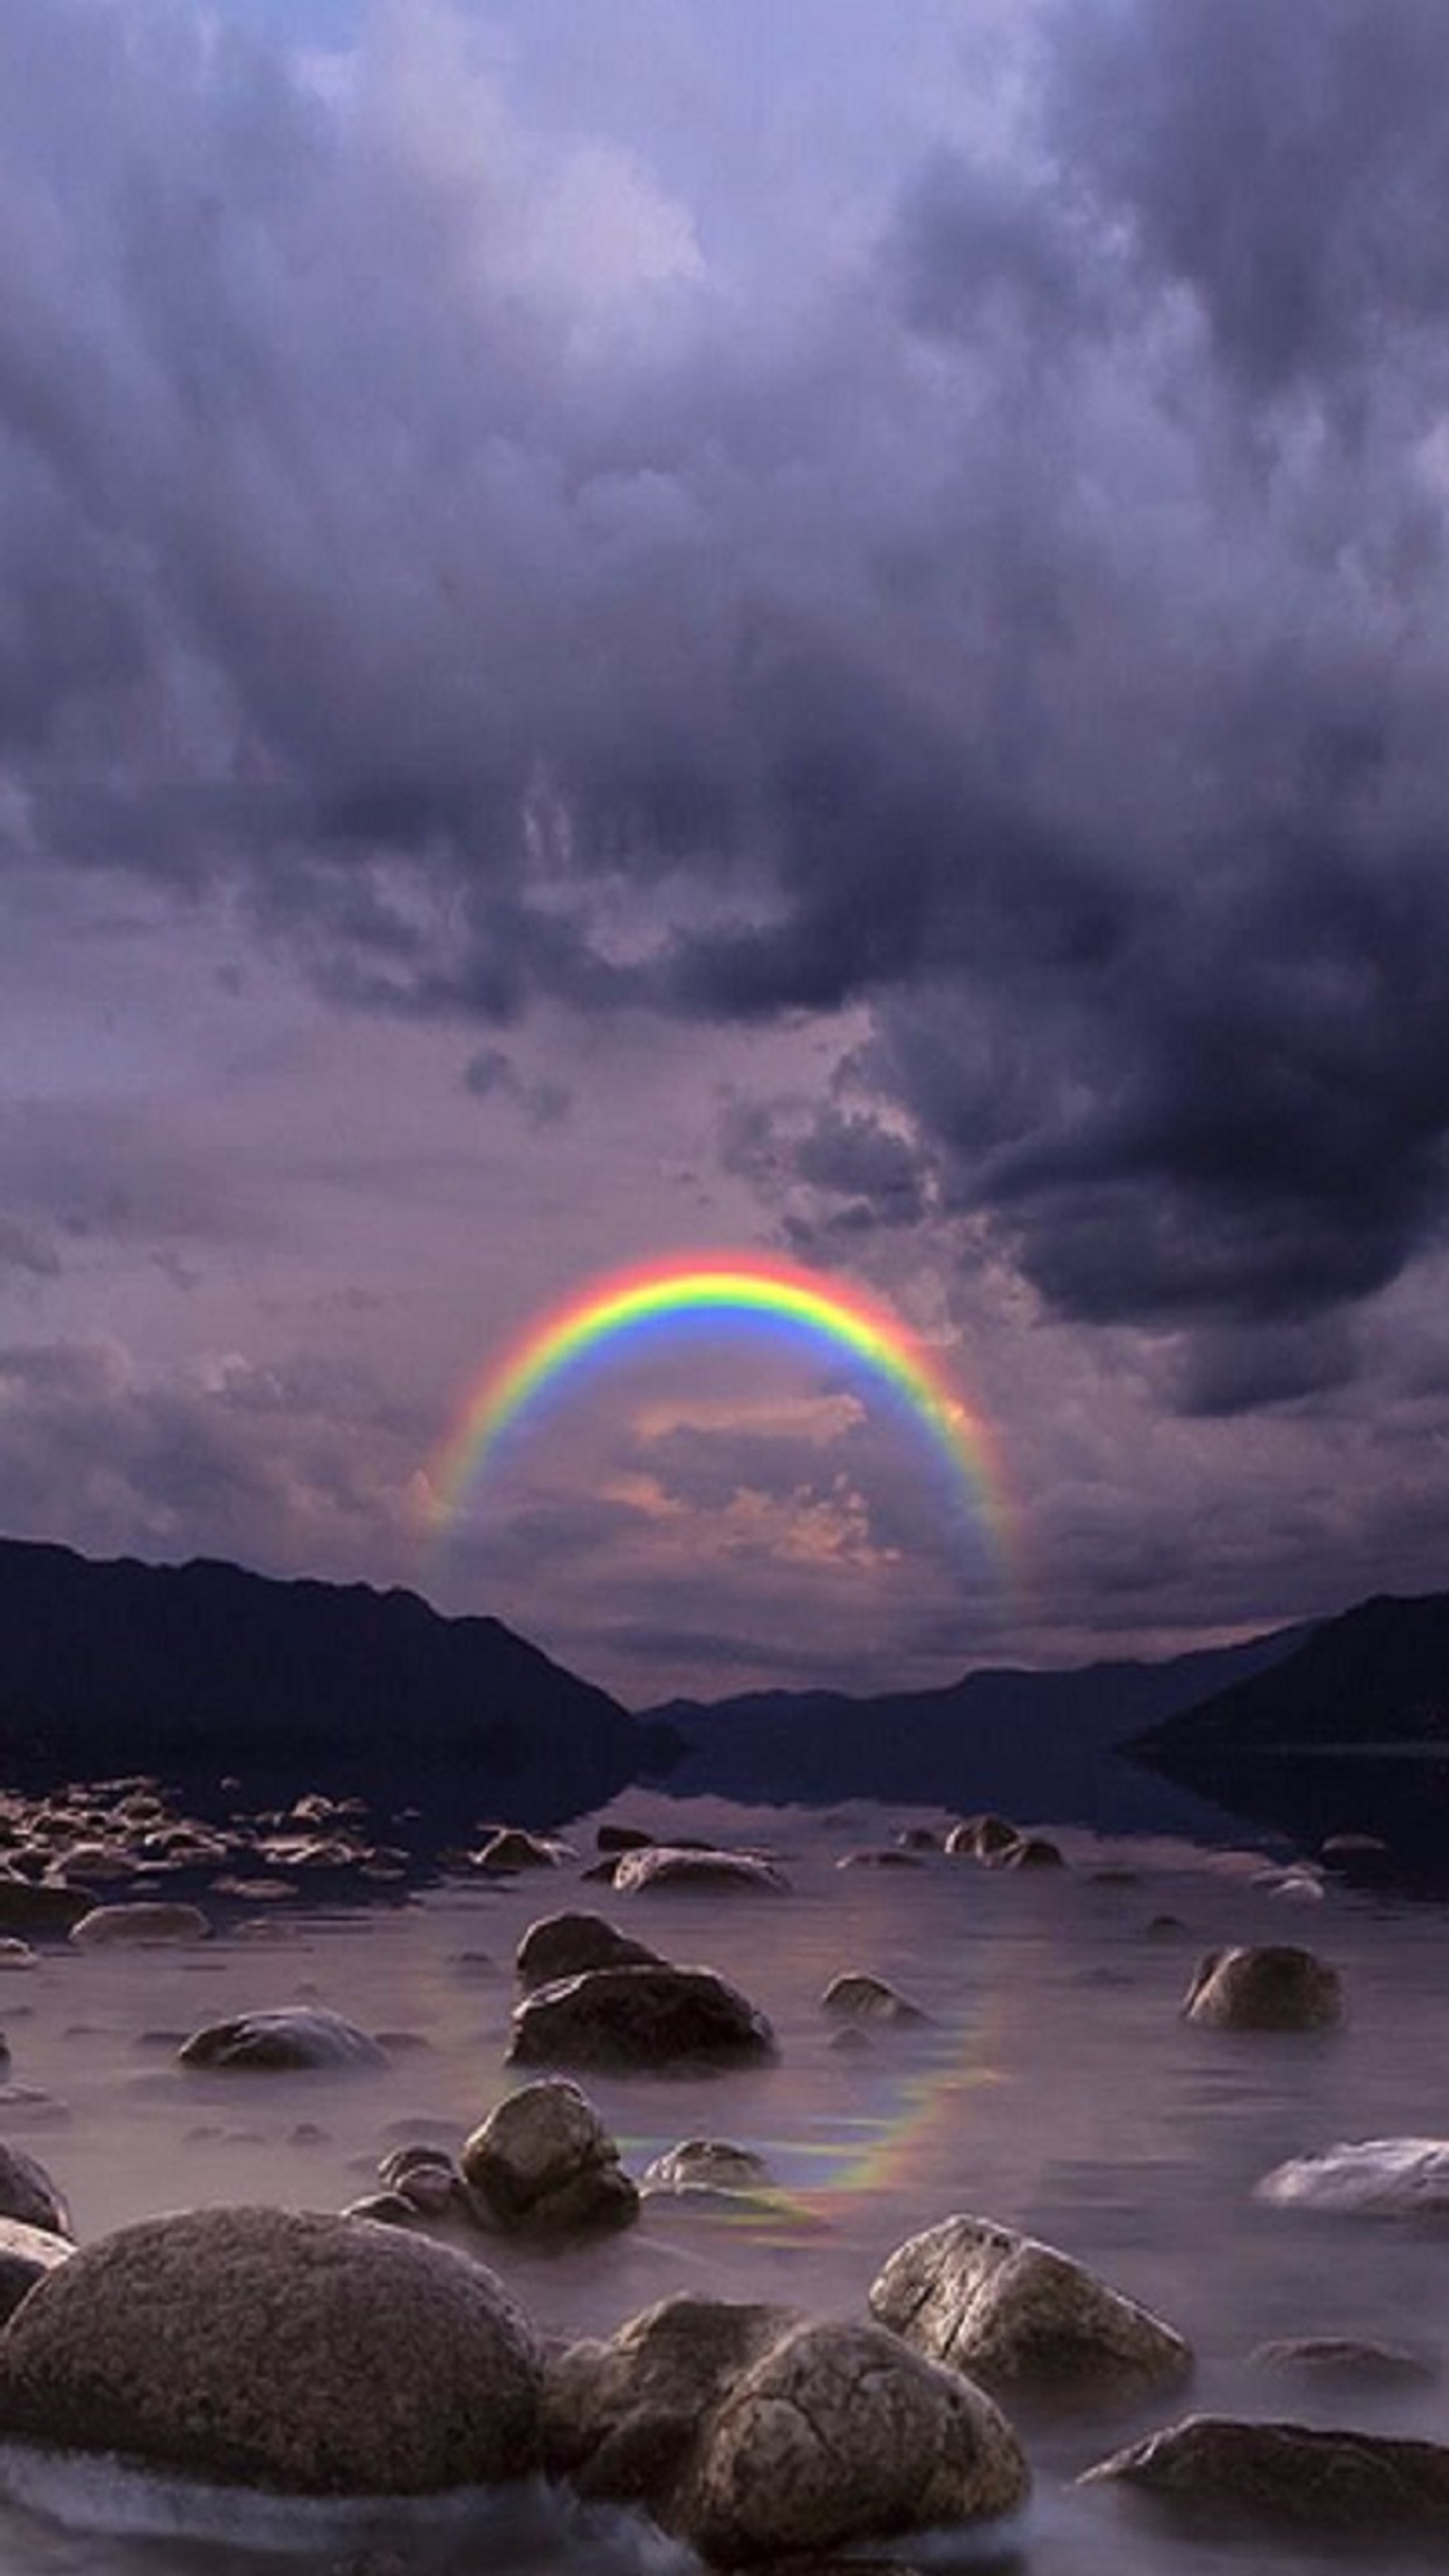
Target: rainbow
[730,1288]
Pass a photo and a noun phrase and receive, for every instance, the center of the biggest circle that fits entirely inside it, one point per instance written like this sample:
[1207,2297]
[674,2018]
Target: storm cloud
[1018,621]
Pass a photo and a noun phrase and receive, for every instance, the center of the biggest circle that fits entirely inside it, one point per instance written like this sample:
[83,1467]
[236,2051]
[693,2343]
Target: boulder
[1374,2178]
[317,2355]
[511,1849]
[1343,2361]
[1027,1851]
[26,2255]
[1215,2470]
[32,1905]
[623,2017]
[707,2164]
[296,2036]
[839,2434]
[977,1836]
[544,2164]
[27,2193]
[621,2419]
[1022,2318]
[857,1996]
[1275,1988]
[106,1926]
[622,1838]
[671,1865]
[564,1945]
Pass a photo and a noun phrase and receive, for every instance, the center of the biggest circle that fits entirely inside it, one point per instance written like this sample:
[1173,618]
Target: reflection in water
[1053,2087]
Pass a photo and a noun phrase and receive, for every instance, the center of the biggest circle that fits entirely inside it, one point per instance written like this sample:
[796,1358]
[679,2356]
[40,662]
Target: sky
[631,626]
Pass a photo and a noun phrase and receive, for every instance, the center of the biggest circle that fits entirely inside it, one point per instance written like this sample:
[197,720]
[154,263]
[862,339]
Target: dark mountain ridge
[204,1668]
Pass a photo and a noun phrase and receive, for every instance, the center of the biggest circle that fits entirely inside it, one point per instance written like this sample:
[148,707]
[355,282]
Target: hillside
[109,1667]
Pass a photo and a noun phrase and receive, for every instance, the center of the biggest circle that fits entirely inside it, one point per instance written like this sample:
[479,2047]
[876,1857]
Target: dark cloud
[1037,647]
[492,1074]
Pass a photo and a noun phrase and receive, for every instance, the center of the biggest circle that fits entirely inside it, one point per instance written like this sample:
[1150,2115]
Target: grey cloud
[491,1073]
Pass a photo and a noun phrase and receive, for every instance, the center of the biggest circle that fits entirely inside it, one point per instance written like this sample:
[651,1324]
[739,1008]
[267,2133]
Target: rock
[510,1849]
[318,2355]
[28,2194]
[670,1865]
[883,1856]
[622,1838]
[1216,2470]
[1278,1988]
[1341,2361]
[425,2177]
[706,2164]
[837,2434]
[545,2165]
[107,1925]
[857,1996]
[1374,2178]
[298,2035]
[1028,1851]
[564,1945]
[17,1954]
[28,1905]
[1352,1846]
[1019,2316]
[977,1836]
[620,2017]
[919,1838]
[1165,1927]
[621,2419]
[26,2255]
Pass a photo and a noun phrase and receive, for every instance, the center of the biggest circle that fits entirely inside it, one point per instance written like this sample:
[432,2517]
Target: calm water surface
[1055,2088]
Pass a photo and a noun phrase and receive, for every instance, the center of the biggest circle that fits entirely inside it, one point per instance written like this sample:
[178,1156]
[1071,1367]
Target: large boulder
[543,2164]
[565,1945]
[1374,2178]
[296,2036]
[316,2355]
[684,1870]
[839,2434]
[1215,2470]
[624,2017]
[621,2418]
[1022,2318]
[1278,1987]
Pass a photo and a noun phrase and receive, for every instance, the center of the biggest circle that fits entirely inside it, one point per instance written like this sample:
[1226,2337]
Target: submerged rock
[318,2355]
[707,2164]
[673,1865]
[295,2036]
[623,2017]
[837,2434]
[1027,1851]
[858,1996]
[512,1849]
[977,1836]
[564,1945]
[1342,2361]
[1375,2178]
[1019,2316]
[544,2164]
[1289,2476]
[1275,1988]
[107,1925]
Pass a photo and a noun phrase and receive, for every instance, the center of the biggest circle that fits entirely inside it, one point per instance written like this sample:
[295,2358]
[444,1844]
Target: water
[1055,2088]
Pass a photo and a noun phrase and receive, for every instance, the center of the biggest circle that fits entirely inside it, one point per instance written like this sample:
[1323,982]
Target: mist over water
[1054,2088]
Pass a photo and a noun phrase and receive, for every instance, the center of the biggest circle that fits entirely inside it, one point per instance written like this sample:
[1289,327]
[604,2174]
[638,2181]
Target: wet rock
[837,2434]
[706,2164]
[1218,2471]
[108,1925]
[511,1849]
[976,1837]
[564,1945]
[857,1996]
[923,1838]
[28,2194]
[17,1954]
[1021,2317]
[26,2255]
[28,1905]
[622,1838]
[297,2035]
[671,1865]
[544,2164]
[424,2176]
[1166,1927]
[1027,1851]
[623,2017]
[1374,2178]
[318,2355]
[1277,1988]
[1342,2361]
[850,2040]
[1353,1846]
[621,2419]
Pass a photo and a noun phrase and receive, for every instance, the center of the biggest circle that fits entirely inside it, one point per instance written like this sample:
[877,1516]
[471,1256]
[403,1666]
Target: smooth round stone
[298,2036]
[113,1926]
